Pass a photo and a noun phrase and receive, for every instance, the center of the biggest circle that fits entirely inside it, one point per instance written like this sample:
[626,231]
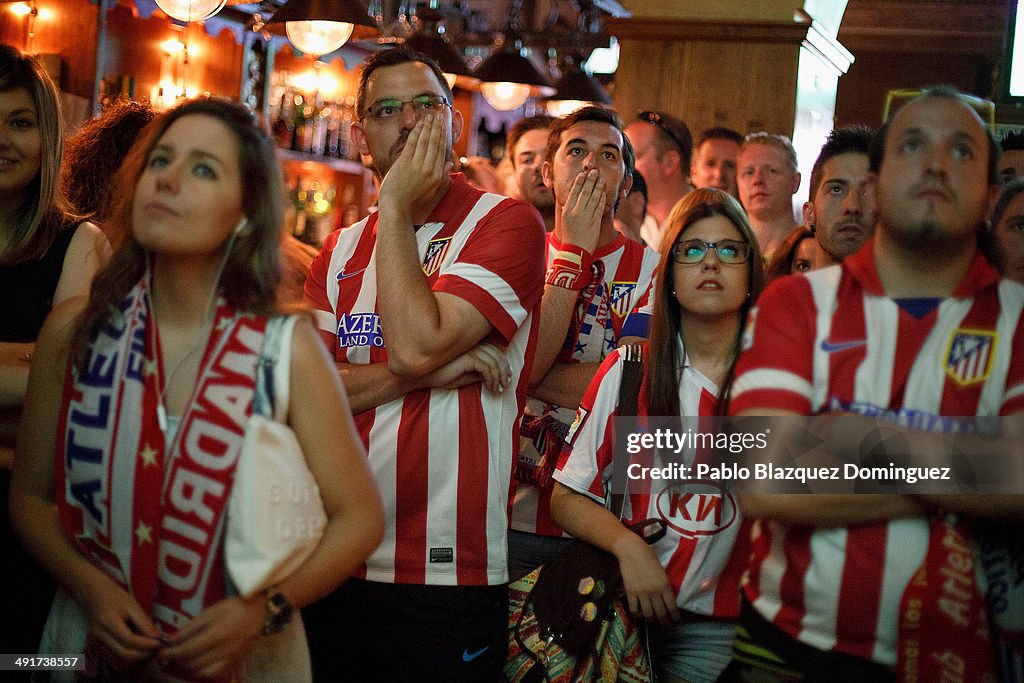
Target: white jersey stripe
[928,377]
[443,435]
[383,463]
[494,285]
[325,321]
[823,285]
[873,383]
[771,378]
[820,624]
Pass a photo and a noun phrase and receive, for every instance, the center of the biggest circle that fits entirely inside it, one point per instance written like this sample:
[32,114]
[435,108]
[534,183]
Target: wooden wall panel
[64,27]
[745,86]
[133,48]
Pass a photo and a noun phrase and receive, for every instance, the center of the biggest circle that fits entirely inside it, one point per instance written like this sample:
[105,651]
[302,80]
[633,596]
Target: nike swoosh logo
[343,275]
[468,656]
[829,347]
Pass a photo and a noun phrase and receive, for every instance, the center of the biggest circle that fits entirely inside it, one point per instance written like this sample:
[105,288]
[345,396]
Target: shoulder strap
[273,369]
[629,397]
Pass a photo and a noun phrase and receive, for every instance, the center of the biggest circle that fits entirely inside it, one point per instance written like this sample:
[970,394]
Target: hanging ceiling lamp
[319,27]
[577,88]
[431,41]
[190,10]
[508,77]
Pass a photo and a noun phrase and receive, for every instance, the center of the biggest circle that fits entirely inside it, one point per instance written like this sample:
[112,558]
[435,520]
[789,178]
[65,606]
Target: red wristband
[566,278]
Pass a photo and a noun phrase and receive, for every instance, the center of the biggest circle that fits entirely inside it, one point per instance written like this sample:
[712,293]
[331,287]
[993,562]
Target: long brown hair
[662,362]
[33,227]
[253,268]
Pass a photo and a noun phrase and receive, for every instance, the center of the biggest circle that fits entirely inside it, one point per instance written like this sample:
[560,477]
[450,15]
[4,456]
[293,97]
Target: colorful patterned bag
[618,652]
[567,621]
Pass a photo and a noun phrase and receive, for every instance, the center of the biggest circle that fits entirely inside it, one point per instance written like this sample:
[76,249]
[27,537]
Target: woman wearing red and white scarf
[137,405]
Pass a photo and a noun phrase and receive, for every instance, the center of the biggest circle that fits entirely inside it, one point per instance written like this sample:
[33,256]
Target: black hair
[851,139]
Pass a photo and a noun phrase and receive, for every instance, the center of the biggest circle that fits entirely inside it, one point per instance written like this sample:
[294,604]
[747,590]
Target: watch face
[278,614]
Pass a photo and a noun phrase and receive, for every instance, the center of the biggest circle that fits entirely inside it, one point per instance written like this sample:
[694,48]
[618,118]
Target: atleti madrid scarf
[150,513]
[943,628]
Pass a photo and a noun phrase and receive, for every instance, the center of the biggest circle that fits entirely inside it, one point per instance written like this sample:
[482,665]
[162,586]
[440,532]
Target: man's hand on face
[583,210]
[420,169]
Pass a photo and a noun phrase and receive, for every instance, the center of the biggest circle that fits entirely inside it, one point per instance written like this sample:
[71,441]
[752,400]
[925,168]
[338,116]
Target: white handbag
[275,515]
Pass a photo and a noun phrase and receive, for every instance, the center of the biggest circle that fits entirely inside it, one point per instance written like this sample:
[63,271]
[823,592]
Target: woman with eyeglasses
[685,584]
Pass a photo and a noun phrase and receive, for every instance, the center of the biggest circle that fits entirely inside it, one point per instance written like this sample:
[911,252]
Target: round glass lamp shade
[505,96]
[190,10]
[318,37]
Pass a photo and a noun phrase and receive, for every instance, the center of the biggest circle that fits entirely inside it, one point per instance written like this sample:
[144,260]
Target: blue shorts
[697,650]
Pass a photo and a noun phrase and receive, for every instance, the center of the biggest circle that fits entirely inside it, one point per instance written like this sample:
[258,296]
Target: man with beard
[838,212]
[525,150]
[597,279]
[914,327]
[428,307]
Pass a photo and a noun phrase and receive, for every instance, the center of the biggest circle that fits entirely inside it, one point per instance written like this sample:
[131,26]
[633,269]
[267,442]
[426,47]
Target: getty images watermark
[830,454]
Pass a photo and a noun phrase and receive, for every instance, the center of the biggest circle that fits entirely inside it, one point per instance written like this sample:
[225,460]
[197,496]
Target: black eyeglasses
[690,252]
[386,109]
[681,137]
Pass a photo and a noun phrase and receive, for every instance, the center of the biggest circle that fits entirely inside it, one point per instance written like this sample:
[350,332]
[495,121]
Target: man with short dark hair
[715,160]
[632,209]
[1011,164]
[428,306]
[768,178]
[914,329]
[837,211]
[664,148]
[524,148]
[597,280]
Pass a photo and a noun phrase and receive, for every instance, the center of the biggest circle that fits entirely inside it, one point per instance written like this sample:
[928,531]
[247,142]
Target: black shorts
[369,631]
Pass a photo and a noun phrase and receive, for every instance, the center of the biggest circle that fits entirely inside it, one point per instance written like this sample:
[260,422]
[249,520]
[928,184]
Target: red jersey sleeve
[590,442]
[315,293]
[775,367]
[501,268]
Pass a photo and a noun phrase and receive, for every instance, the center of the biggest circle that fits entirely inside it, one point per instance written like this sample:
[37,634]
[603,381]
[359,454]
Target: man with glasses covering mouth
[664,148]
[428,307]
[913,330]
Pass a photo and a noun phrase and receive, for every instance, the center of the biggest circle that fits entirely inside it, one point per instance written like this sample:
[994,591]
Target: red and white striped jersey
[602,317]
[705,549]
[832,341]
[442,458]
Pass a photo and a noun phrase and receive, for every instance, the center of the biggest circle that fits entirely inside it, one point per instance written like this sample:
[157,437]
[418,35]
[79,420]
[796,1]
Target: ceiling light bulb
[505,96]
[190,10]
[318,37]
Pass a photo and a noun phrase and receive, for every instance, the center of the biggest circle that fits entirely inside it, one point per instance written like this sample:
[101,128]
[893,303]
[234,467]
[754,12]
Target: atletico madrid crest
[621,296]
[436,251]
[970,356]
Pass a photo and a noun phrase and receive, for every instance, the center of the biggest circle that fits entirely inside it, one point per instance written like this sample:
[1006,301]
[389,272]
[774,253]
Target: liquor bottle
[298,197]
[298,123]
[333,132]
[283,129]
[346,149]
[318,127]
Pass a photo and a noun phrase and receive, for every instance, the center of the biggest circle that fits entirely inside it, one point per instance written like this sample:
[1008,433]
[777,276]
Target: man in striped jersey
[428,306]
[914,325]
[597,280]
